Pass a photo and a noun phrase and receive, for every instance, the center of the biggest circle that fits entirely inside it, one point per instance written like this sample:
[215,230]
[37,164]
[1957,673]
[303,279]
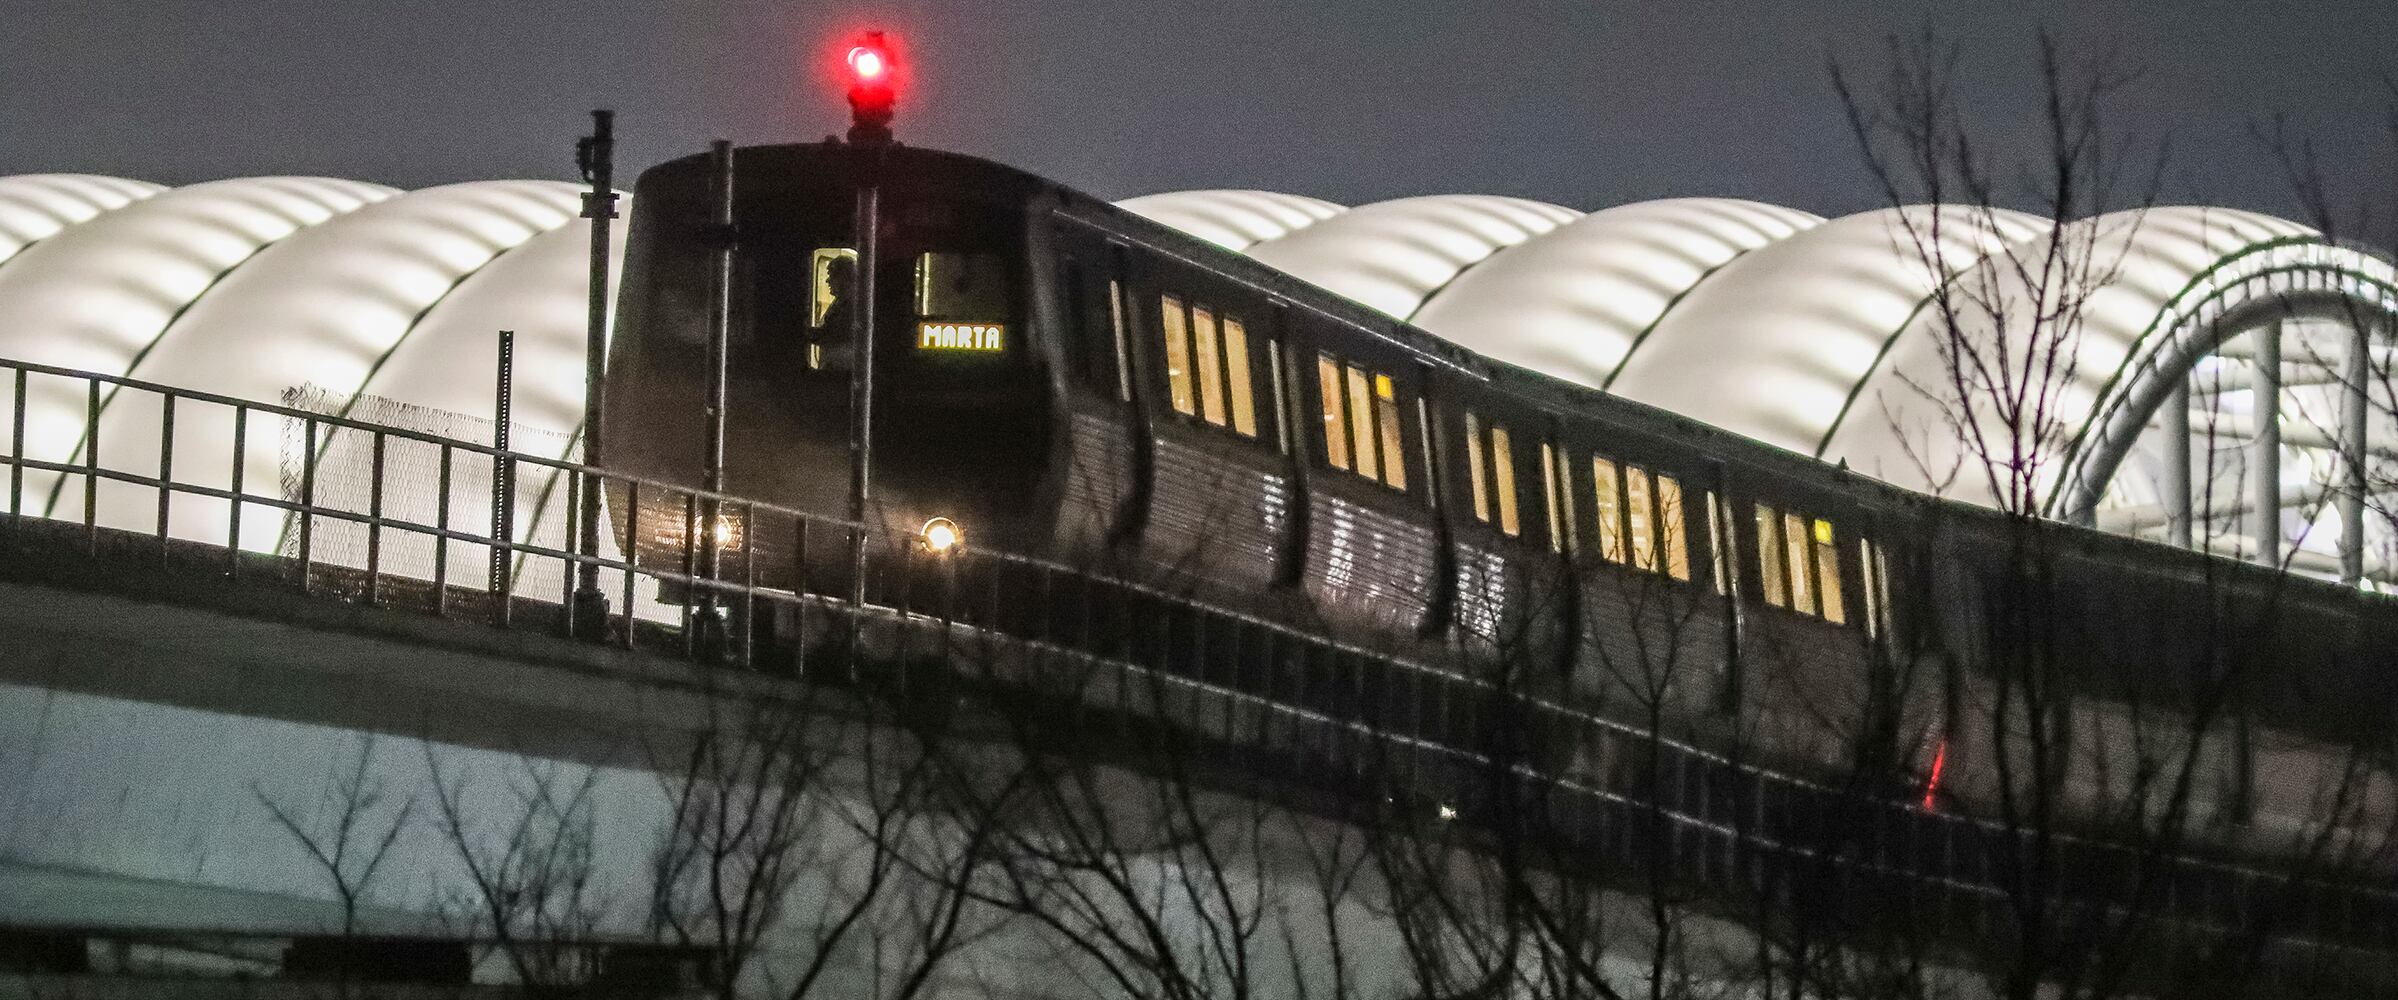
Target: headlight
[940,535]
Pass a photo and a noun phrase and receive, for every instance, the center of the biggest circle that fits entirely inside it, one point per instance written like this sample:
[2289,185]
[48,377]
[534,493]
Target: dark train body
[1067,380]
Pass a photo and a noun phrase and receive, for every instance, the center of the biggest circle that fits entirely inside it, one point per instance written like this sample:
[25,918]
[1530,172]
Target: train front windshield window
[830,271]
[961,286]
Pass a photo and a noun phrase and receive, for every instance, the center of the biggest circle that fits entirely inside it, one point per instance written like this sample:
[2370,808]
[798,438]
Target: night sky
[1587,104]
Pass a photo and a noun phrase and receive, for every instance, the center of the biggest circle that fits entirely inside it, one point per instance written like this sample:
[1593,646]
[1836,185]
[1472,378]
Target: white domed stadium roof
[1807,333]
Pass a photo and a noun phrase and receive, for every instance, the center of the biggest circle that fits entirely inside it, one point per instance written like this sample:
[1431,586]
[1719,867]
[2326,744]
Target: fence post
[503,476]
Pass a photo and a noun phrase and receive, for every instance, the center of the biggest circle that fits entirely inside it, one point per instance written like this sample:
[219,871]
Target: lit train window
[1282,430]
[1565,502]
[1211,364]
[1361,423]
[1115,318]
[1386,416]
[1715,544]
[1475,469]
[1236,376]
[1670,528]
[830,270]
[1178,354]
[961,286]
[1770,574]
[1549,495]
[1640,518]
[1336,426]
[1827,573]
[1611,509]
[1802,582]
[1502,459]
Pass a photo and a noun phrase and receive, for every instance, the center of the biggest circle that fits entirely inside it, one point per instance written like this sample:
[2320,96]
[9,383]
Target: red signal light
[872,89]
[867,63]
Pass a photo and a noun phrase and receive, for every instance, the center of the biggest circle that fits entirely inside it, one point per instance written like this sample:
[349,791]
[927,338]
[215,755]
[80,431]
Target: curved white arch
[1234,220]
[2146,258]
[1772,345]
[35,207]
[96,296]
[321,308]
[1392,255]
[1571,303]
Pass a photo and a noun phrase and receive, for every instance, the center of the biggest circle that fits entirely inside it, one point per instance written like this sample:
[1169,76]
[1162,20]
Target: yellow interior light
[1823,532]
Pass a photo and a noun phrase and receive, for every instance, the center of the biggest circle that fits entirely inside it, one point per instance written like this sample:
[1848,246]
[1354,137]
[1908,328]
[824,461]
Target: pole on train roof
[712,530]
[596,156]
[861,373]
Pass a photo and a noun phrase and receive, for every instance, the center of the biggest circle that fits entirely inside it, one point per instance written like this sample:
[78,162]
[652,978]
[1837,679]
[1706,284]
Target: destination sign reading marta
[961,337]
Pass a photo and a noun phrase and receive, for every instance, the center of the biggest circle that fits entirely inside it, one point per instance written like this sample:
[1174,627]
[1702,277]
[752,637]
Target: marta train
[1061,378]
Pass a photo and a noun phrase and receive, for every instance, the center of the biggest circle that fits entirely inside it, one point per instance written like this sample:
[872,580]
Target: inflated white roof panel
[1391,255]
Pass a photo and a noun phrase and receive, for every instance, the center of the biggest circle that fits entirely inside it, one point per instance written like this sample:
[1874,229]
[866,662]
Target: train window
[1770,578]
[1802,581]
[1172,321]
[1548,495]
[1475,468]
[961,286]
[1386,417]
[1115,319]
[1670,528]
[1502,460]
[1611,509]
[1282,431]
[1336,424]
[1236,376]
[1211,364]
[1715,543]
[1361,424]
[1827,573]
[1639,518]
[830,270]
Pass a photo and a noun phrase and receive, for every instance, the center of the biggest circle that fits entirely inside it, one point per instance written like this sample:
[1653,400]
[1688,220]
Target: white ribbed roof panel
[1235,220]
[321,308]
[1571,303]
[1772,345]
[34,207]
[97,296]
[1392,255]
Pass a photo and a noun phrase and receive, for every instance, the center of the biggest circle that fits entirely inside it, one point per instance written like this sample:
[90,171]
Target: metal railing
[1420,736]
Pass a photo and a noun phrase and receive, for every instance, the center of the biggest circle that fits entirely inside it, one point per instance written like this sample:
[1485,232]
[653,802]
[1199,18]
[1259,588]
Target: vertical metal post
[861,376]
[166,472]
[720,324]
[2353,410]
[503,475]
[2177,463]
[597,156]
[2265,460]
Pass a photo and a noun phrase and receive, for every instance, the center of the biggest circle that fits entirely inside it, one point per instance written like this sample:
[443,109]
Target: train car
[1064,379]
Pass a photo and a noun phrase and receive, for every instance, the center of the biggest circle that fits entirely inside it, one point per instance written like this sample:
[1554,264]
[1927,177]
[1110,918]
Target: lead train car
[1065,379]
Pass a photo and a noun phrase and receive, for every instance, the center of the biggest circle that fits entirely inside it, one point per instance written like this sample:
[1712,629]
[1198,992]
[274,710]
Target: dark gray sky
[1581,102]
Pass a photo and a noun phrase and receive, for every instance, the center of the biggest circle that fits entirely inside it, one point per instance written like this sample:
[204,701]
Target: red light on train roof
[873,89]
[868,63]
